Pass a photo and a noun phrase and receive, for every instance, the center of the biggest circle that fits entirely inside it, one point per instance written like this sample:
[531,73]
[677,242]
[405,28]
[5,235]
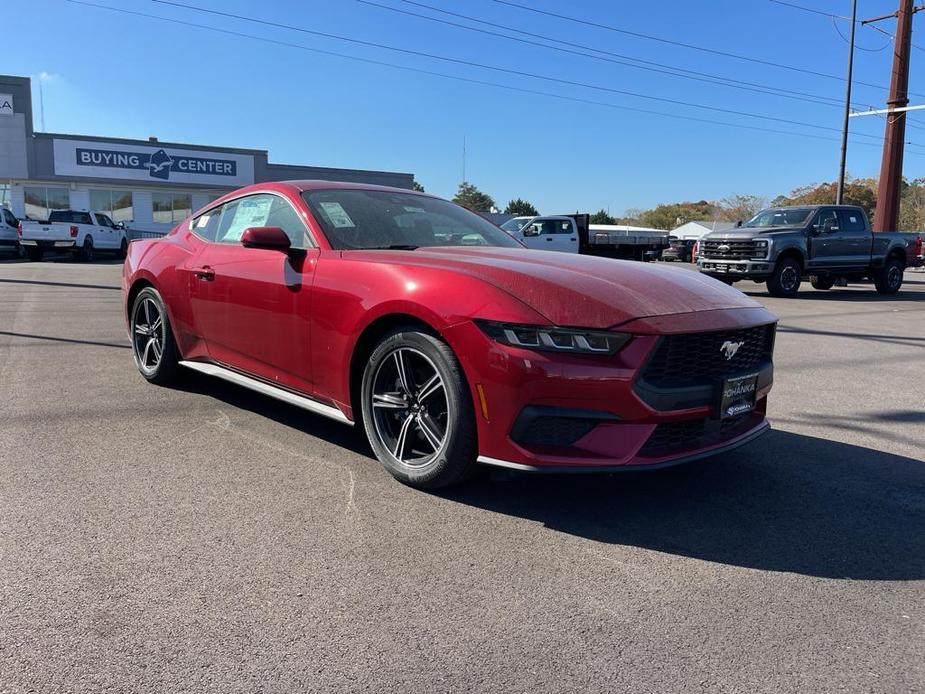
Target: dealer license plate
[737,396]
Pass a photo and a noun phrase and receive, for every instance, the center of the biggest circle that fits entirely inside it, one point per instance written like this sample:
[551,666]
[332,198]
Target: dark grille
[672,437]
[555,431]
[731,250]
[693,358]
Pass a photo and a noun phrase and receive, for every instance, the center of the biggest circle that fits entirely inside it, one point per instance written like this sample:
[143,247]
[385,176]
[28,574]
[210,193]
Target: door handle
[205,273]
[549,238]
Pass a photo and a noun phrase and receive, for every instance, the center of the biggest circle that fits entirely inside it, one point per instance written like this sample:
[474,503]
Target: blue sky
[114,74]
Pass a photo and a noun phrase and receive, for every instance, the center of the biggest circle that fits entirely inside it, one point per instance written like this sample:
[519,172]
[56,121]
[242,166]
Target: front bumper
[560,412]
[733,268]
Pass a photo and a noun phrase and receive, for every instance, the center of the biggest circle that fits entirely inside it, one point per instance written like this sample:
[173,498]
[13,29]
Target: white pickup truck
[572,233]
[9,236]
[82,233]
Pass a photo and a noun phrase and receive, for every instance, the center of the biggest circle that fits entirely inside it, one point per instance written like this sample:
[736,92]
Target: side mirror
[738,223]
[531,230]
[269,238]
[829,226]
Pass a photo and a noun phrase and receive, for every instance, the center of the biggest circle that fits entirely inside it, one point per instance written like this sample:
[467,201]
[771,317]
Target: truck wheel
[889,278]
[417,410]
[123,250]
[153,347]
[785,282]
[822,283]
[86,251]
[34,254]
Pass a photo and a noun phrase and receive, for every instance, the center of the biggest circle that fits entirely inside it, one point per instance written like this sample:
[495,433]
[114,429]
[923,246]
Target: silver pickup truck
[826,243]
[82,233]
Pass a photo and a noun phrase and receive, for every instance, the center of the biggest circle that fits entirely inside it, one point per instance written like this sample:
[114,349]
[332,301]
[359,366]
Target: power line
[615,58]
[517,73]
[459,78]
[810,9]
[681,44]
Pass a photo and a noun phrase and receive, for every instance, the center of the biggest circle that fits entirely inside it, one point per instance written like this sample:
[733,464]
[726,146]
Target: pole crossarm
[879,111]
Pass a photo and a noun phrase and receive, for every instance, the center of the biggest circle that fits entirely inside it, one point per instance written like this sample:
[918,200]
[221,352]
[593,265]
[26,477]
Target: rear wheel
[33,253]
[153,346]
[86,251]
[785,282]
[417,410]
[123,250]
[889,278]
[822,283]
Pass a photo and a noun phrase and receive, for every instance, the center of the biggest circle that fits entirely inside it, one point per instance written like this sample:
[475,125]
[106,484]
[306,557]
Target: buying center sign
[151,163]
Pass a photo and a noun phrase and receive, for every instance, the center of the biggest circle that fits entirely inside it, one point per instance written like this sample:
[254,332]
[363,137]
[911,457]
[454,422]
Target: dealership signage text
[158,164]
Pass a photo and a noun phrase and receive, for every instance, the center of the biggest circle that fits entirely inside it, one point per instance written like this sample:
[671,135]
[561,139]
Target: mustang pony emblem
[730,348]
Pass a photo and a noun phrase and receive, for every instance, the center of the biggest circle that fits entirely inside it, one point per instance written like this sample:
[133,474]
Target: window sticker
[337,215]
[250,212]
[203,221]
[419,210]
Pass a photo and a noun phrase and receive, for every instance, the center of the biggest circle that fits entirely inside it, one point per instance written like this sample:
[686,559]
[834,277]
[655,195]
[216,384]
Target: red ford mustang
[448,340]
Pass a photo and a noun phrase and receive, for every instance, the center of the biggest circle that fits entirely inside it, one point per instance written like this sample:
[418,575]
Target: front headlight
[551,339]
[761,248]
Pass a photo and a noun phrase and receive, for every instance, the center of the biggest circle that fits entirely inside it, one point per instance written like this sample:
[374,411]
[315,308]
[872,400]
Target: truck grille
[693,358]
[731,250]
[672,437]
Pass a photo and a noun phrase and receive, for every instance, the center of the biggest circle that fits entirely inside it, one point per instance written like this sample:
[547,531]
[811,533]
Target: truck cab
[9,236]
[825,243]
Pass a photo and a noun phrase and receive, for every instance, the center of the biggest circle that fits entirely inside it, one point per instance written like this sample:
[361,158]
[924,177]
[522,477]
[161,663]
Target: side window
[83,218]
[103,220]
[205,225]
[10,218]
[851,220]
[283,215]
[260,211]
[824,216]
[563,227]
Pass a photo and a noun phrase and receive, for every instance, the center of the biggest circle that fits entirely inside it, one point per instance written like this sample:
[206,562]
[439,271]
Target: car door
[552,235]
[823,243]
[252,306]
[853,240]
[105,231]
[8,228]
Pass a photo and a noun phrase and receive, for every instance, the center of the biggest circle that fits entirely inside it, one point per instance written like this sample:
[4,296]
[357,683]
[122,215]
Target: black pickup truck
[825,243]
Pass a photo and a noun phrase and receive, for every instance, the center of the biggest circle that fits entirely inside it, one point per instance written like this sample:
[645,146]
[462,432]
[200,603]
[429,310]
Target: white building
[694,230]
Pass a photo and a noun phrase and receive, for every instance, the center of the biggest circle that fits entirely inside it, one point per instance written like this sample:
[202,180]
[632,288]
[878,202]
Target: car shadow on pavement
[847,295]
[283,413]
[787,502]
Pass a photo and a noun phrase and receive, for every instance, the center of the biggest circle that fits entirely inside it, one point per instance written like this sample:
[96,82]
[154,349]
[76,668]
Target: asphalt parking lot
[209,539]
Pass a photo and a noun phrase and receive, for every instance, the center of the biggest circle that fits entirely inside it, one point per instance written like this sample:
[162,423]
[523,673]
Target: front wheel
[417,410]
[889,278]
[785,282]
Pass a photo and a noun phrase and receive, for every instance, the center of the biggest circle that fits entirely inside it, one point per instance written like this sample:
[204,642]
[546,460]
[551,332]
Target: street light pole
[839,195]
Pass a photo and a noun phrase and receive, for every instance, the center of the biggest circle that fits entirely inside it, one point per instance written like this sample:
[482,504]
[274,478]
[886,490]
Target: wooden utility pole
[891,166]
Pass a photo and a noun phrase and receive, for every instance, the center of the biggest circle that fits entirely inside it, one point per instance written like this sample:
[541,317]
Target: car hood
[745,233]
[578,290]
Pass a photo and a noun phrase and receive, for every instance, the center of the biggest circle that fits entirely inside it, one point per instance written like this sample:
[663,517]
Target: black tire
[451,416]
[86,251]
[164,369]
[822,283]
[785,282]
[889,278]
[33,253]
[123,250]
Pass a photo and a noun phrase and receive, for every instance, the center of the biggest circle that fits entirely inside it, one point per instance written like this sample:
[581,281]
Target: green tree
[417,186]
[861,192]
[674,215]
[736,207]
[601,217]
[472,198]
[520,208]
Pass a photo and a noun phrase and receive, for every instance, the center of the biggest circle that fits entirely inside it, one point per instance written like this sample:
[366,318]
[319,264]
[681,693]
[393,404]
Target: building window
[5,199]
[170,208]
[43,200]
[117,204]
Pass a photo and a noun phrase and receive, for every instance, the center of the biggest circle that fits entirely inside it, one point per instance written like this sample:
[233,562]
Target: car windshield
[781,217]
[366,219]
[516,224]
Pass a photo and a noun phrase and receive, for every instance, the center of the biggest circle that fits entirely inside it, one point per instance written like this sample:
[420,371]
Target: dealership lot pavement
[210,539]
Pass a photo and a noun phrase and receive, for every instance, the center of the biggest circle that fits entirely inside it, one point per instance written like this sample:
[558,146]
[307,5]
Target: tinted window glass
[206,225]
[103,220]
[826,216]
[284,216]
[852,220]
[357,219]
